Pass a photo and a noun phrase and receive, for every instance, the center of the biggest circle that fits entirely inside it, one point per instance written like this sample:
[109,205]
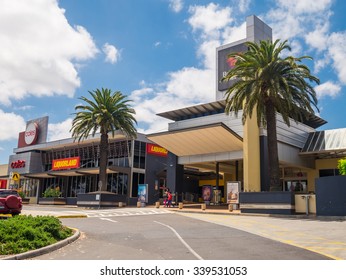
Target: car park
[10,202]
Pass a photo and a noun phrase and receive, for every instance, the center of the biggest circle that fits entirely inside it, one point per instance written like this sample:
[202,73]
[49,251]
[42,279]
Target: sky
[159,53]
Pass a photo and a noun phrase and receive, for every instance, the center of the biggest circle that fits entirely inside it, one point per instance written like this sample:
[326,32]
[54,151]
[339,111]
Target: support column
[175,174]
[217,175]
[251,152]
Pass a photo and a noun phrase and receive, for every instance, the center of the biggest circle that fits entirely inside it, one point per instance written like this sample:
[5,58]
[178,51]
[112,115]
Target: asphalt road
[168,236]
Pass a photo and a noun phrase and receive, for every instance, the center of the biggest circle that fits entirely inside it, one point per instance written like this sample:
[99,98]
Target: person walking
[169,198]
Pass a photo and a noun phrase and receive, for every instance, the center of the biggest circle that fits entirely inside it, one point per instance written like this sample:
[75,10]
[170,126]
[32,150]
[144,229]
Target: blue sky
[161,53]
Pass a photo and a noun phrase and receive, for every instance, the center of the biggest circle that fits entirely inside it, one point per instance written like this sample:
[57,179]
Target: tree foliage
[267,84]
[106,112]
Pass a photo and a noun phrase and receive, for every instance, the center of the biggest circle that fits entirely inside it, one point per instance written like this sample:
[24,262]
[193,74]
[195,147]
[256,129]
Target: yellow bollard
[204,206]
[138,204]
[180,205]
[157,204]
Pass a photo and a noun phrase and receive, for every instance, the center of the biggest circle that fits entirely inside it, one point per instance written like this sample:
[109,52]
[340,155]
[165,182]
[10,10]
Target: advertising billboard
[233,189]
[207,193]
[225,64]
[143,193]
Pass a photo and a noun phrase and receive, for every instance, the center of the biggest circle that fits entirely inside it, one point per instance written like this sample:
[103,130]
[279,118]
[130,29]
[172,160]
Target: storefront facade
[71,168]
[204,138]
[203,149]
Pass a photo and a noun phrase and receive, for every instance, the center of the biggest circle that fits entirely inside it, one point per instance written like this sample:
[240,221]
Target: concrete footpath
[323,235]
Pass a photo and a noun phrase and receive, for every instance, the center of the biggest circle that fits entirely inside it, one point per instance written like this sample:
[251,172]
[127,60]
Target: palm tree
[267,84]
[105,112]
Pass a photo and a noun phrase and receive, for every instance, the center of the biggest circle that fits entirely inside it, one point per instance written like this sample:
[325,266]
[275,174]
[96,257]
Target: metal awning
[199,110]
[75,172]
[207,139]
[218,107]
[326,142]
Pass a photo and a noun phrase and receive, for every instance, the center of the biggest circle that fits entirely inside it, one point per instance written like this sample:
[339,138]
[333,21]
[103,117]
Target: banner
[233,189]
[143,193]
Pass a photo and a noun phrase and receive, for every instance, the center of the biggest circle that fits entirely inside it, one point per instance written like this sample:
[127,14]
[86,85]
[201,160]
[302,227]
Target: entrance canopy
[76,172]
[326,143]
[207,139]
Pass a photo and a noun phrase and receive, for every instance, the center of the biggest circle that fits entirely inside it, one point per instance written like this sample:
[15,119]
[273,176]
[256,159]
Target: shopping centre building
[203,152]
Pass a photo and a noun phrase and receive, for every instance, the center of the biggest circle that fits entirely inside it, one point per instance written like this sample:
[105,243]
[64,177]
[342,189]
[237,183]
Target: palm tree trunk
[273,155]
[103,162]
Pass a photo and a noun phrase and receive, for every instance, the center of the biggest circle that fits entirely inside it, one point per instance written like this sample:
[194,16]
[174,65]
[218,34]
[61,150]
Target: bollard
[157,204]
[180,205]
[230,207]
[203,206]
[120,204]
[138,204]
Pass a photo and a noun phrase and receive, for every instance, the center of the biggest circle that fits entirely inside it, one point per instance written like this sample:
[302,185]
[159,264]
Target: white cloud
[192,84]
[318,38]
[337,51]
[12,125]
[176,5]
[58,131]
[189,85]
[39,50]
[185,87]
[157,44]
[234,33]
[296,18]
[305,7]
[327,89]
[243,5]
[321,63]
[137,95]
[111,52]
[296,48]
[209,19]
[207,53]
[309,22]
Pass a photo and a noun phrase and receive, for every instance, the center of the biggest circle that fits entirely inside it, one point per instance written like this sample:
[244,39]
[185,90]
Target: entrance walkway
[325,235]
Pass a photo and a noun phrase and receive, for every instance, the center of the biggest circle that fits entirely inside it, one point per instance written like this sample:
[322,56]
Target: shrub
[23,233]
[342,166]
[52,192]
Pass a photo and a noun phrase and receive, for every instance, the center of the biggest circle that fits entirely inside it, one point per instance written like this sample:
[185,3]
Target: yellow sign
[156,150]
[15,176]
[66,163]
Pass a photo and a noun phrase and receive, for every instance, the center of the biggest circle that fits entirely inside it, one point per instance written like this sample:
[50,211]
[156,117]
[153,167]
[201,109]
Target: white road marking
[109,220]
[181,240]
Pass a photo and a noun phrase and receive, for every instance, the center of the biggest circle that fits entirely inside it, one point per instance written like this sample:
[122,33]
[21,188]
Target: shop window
[137,178]
[328,172]
[296,186]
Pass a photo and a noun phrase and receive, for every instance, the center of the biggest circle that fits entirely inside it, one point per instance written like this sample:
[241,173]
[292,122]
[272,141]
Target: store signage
[14,176]
[226,63]
[156,150]
[31,133]
[66,163]
[18,164]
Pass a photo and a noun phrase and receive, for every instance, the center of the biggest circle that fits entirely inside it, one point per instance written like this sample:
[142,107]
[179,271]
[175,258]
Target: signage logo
[231,61]
[66,163]
[18,164]
[156,150]
[31,133]
[14,176]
